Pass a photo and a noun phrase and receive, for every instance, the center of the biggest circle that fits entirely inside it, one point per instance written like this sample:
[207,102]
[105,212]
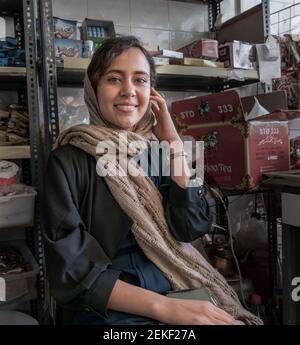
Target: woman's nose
[127,89]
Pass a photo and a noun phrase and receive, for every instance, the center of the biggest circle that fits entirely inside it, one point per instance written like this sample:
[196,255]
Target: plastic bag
[72,109]
[252,233]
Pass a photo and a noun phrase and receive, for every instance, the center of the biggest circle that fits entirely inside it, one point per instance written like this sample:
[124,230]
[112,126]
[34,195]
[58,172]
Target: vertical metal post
[19,30]
[237,7]
[272,240]
[214,8]
[50,104]
[34,237]
[266,17]
[49,80]
[267,32]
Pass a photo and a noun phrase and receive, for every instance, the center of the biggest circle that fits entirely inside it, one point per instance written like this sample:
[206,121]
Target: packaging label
[219,107]
[268,148]
[224,157]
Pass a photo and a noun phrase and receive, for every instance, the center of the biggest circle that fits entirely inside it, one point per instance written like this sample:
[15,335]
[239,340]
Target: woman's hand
[175,311]
[164,129]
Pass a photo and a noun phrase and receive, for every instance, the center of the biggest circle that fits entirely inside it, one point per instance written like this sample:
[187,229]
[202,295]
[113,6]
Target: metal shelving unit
[26,82]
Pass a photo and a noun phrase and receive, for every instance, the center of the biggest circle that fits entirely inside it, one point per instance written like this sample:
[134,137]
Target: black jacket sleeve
[77,266]
[186,209]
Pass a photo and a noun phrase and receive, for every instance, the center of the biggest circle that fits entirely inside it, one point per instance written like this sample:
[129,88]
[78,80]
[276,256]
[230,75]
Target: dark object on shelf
[11,261]
[18,284]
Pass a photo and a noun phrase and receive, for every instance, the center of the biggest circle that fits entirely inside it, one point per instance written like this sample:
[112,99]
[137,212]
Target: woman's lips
[126,108]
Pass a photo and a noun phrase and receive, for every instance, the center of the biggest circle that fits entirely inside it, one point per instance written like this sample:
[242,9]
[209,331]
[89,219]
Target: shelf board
[196,78]
[14,152]
[169,77]
[12,77]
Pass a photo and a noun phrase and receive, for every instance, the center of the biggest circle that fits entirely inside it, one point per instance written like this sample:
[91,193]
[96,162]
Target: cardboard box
[97,29]
[237,152]
[237,54]
[270,101]
[204,48]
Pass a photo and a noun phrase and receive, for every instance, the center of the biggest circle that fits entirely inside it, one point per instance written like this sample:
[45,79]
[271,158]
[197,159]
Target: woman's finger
[155,107]
[223,316]
[160,101]
[153,91]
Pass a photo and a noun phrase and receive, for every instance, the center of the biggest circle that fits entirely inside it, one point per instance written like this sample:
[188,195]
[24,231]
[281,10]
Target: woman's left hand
[165,128]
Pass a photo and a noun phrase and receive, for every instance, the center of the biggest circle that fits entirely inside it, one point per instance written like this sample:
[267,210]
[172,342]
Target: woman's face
[123,91]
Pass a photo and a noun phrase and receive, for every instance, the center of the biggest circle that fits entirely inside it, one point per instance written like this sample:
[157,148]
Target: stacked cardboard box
[237,151]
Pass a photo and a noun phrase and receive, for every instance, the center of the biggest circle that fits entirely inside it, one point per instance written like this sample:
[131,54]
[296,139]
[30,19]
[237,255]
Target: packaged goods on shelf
[295,152]
[159,61]
[16,205]
[64,28]
[67,48]
[18,272]
[14,126]
[197,62]
[10,54]
[258,145]
[237,54]
[88,49]
[169,54]
[93,29]
[8,173]
[204,48]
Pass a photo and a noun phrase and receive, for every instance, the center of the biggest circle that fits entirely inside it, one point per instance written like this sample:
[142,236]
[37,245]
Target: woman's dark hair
[111,48]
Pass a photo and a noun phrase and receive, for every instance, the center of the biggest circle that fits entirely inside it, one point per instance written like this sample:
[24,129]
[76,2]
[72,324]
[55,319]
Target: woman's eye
[141,81]
[113,79]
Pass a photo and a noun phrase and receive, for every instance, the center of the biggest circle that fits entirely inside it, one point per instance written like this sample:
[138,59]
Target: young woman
[115,244]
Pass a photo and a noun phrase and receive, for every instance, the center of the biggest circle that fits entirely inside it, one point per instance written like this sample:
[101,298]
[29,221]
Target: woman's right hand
[175,311]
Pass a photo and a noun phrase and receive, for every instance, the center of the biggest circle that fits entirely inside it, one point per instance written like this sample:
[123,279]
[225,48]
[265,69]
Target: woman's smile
[126,107]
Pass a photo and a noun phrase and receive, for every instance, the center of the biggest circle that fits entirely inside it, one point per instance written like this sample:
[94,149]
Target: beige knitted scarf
[180,262]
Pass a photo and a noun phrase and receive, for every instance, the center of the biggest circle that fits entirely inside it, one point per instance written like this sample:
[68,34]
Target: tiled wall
[169,24]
